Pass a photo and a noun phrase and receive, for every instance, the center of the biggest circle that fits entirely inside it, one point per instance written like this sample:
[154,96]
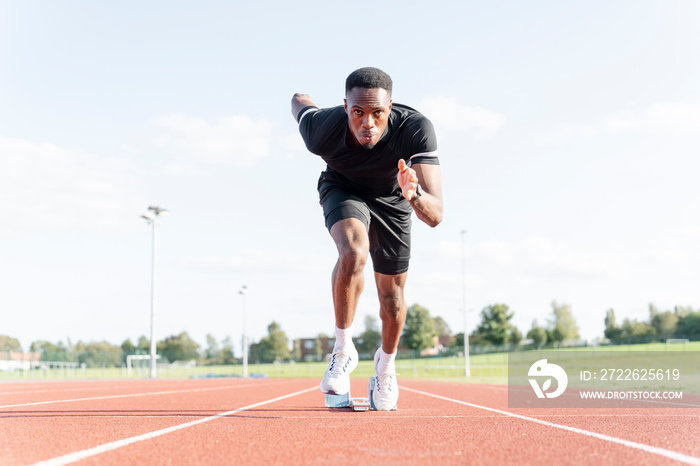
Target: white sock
[343,337]
[386,363]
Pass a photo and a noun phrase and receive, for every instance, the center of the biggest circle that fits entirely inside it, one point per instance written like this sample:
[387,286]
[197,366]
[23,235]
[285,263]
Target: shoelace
[339,362]
[384,379]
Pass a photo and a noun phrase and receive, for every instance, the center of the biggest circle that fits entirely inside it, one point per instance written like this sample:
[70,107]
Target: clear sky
[569,135]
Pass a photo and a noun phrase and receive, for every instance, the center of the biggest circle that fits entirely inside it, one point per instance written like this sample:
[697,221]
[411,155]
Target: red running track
[278,421]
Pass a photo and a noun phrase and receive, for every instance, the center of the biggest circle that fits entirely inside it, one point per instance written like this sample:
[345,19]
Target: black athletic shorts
[387,219]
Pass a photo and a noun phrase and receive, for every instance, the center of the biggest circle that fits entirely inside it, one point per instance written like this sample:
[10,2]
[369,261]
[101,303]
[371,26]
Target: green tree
[635,329]
[99,354]
[689,325]
[371,338]
[225,355]
[495,326]
[275,346]
[212,352]
[179,348]
[515,336]
[653,311]
[419,328]
[665,323]
[538,334]
[9,344]
[441,327]
[144,345]
[563,325]
[127,348]
[683,311]
[255,353]
[612,331]
[50,351]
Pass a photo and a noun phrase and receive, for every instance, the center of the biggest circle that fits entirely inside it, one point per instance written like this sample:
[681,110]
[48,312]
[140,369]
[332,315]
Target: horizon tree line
[420,331]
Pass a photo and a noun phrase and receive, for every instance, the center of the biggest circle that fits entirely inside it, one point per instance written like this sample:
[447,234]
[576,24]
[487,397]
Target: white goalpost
[137,357]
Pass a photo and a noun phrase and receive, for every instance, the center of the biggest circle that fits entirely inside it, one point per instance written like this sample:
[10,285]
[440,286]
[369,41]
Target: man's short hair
[368,78]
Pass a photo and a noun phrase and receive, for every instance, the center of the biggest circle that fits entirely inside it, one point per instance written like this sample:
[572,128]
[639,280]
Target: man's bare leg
[392,308]
[352,241]
[350,236]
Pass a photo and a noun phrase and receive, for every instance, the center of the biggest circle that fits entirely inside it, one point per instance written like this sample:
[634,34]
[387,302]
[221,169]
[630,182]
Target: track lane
[300,430]
[674,430]
[38,432]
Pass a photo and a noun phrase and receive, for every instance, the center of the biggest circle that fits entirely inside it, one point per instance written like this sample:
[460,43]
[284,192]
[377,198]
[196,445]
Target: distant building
[439,345]
[313,349]
[14,360]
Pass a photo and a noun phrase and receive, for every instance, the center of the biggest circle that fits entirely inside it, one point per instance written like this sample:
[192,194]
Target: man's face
[368,114]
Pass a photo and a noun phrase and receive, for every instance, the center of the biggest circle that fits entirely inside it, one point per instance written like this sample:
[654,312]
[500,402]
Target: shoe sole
[331,392]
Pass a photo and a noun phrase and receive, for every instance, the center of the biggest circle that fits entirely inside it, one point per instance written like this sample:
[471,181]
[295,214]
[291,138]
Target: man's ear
[345,104]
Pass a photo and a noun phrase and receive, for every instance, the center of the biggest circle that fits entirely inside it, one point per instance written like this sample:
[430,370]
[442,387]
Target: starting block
[345,401]
[357,404]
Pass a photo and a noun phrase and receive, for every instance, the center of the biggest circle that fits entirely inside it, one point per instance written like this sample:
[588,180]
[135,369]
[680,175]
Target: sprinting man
[382,165]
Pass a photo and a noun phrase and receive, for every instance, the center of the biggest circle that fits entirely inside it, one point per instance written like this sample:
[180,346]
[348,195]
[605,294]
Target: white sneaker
[386,388]
[336,380]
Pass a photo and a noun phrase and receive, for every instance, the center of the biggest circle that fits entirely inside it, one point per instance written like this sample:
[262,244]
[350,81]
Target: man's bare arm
[428,206]
[299,101]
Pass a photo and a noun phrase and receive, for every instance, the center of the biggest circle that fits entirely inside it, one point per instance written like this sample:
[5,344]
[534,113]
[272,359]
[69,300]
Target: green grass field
[485,368]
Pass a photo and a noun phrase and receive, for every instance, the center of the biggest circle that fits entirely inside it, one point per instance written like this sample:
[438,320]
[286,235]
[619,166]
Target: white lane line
[639,446]
[131,395]
[21,392]
[92,385]
[81,455]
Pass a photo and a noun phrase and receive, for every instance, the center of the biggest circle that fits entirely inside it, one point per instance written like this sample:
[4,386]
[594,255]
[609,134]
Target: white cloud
[691,232]
[447,115]
[498,253]
[292,145]
[670,254]
[251,260]
[554,259]
[567,132]
[183,166]
[46,186]
[537,257]
[661,118]
[235,140]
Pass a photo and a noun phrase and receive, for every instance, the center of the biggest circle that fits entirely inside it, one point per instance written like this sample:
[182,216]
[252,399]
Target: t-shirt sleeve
[305,111]
[305,125]
[316,127]
[423,148]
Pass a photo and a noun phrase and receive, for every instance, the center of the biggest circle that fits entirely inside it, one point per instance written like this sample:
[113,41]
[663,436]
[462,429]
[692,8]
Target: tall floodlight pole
[152,218]
[467,370]
[244,339]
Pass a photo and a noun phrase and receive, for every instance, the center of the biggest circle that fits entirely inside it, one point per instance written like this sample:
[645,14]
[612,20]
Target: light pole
[152,218]
[242,292]
[467,370]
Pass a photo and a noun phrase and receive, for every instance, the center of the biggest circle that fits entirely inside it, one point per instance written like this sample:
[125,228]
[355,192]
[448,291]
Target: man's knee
[352,241]
[391,304]
[352,258]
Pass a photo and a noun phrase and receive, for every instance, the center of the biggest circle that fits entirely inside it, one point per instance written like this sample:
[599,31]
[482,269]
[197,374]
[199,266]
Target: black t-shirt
[409,135]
